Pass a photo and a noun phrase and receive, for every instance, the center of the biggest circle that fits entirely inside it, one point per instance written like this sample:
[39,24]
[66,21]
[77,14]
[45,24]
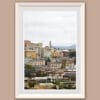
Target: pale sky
[60,27]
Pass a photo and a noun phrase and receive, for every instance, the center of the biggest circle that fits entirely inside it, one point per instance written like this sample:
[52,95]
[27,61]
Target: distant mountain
[65,47]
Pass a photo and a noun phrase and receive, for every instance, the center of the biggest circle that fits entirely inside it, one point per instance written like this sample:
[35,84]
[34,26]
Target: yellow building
[31,54]
[32,50]
[56,53]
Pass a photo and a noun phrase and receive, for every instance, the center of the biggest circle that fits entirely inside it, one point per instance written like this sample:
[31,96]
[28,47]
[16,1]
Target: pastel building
[31,54]
[32,50]
[47,52]
[57,53]
[38,62]
[56,65]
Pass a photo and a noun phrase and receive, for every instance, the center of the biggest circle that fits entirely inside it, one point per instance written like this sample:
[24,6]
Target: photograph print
[51,47]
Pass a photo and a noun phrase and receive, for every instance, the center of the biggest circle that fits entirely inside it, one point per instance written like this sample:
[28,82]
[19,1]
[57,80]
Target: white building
[38,62]
[47,52]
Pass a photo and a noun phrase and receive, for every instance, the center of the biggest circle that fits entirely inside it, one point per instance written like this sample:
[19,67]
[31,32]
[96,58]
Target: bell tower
[50,44]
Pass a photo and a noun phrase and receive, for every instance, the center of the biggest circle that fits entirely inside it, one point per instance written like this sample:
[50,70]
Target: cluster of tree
[72,53]
[29,71]
[64,85]
[47,60]
[41,74]
[67,86]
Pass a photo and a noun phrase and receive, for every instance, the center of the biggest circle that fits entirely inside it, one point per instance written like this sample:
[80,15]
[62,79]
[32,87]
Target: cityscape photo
[49,49]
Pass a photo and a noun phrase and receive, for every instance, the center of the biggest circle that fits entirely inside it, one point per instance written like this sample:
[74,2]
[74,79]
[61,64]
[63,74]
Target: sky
[59,27]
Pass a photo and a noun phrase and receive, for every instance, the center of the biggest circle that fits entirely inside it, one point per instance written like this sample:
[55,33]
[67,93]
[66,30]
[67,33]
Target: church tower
[50,44]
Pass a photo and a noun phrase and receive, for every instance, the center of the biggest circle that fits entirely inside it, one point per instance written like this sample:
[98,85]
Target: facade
[47,52]
[65,53]
[55,65]
[32,50]
[31,54]
[38,62]
[56,53]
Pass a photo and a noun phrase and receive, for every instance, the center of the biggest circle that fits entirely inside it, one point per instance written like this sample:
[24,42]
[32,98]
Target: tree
[29,71]
[63,63]
[47,60]
[27,66]
[31,84]
[72,53]
[69,86]
[48,80]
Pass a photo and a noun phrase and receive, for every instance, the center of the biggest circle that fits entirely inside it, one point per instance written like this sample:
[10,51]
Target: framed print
[50,50]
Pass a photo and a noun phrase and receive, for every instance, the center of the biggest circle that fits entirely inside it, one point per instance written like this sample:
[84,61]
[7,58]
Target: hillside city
[49,67]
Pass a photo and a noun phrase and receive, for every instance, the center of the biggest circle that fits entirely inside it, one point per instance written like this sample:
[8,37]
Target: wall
[7,49]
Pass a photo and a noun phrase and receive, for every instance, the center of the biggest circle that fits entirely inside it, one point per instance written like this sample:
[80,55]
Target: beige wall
[7,49]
